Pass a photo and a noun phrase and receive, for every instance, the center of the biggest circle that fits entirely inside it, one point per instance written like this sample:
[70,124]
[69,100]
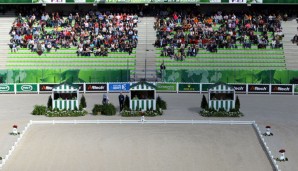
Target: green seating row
[64,52]
[222,61]
[218,25]
[239,57]
[72,48]
[69,61]
[43,56]
[235,52]
[69,65]
[254,48]
[224,65]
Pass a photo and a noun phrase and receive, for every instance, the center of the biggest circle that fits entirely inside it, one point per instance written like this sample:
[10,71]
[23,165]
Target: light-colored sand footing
[146,147]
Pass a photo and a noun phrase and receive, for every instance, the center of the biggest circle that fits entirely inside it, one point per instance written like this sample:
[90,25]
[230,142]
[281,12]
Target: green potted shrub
[237,103]
[97,109]
[83,102]
[161,103]
[50,103]
[108,109]
[204,103]
[39,110]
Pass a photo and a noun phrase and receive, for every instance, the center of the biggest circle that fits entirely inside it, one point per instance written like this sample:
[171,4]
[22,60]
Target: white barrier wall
[37,88]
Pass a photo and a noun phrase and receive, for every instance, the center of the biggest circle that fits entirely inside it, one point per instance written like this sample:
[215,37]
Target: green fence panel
[63,75]
[232,76]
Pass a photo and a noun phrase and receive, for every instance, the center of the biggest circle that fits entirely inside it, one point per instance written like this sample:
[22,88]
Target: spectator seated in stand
[295,39]
[191,31]
[92,30]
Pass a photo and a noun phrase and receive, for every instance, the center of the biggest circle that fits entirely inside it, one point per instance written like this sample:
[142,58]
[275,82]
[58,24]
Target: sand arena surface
[139,147]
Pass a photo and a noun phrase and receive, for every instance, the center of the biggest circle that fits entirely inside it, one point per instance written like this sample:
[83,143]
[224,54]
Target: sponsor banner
[209,1]
[189,87]
[117,87]
[258,88]
[6,88]
[205,87]
[80,86]
[296,88]
[281,88]
[239,87]
[254,1]
[48,1]
[166,86]
[26,87]
[237,1]
[46,87]
[96,87]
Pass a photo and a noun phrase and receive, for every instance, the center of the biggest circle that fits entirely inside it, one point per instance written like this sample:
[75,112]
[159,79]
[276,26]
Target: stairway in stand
[145,52]
[5,26]
[290,50]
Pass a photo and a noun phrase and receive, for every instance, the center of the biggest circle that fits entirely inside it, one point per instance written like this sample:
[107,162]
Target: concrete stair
[145,52]
[290,50]
[5,26]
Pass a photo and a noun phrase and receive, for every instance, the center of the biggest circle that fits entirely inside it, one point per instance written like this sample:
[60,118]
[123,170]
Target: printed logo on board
[4,88]
[282,88]
[258,88]
[26,88]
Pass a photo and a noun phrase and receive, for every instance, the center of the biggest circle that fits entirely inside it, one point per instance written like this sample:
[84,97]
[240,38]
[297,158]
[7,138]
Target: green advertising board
[149,1]
[63,75]
[16,1]
[6,88]
[166,87]
[232,76]
[296,88]
[189,87]
[26,87]
[205,87]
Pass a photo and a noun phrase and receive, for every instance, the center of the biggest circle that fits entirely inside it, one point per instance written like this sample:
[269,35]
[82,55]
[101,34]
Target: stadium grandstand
[95,50]
[138,37]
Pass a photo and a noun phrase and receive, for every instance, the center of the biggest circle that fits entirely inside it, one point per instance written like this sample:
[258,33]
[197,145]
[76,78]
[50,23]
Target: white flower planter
[282,157]
[268,131]
[15,131]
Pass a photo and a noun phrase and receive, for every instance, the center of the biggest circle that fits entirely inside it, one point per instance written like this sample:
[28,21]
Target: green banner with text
[189,87]
[166,87]
[26,87]
[205,87]
[6,88]
[296,88]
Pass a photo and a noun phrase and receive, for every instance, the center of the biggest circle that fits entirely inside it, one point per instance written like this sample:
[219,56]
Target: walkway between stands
[290,49]
[145,51]
[5,26]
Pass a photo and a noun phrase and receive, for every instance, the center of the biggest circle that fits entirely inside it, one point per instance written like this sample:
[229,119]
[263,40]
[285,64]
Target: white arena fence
[144,121]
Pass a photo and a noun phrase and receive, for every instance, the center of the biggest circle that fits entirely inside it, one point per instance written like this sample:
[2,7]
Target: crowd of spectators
[93,32]
[181,35]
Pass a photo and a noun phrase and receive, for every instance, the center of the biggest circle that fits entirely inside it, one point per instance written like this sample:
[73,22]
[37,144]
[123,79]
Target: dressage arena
[133,147]
[225,149]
